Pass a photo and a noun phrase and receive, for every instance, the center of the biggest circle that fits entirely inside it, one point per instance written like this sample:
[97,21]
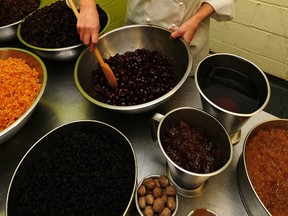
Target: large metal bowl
[35,62]
[58,54]
[130,38]
[87,168]
[253,205]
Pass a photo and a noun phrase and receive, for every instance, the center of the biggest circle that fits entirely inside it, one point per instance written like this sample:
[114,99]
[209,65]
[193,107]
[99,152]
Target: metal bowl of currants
[51,32]
[148,65]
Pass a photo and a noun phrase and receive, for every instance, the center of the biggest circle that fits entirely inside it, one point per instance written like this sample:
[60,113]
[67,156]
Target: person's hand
[88,26]
[187,31]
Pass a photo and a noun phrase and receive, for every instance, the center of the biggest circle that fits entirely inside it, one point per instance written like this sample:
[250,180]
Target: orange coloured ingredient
[19,87]
[267,166]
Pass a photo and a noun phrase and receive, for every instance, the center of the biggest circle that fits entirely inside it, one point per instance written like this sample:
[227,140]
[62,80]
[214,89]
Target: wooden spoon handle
[73,7]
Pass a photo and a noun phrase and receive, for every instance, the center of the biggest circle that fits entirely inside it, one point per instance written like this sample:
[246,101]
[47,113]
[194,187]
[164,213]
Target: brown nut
[149,183]
[165,212]
[163,181]
[171,190]
[149,199]
[157,192]
[141,190]
[158,205]
[171,203]
[148,211]
[157,182]
[142,202]
[164,197]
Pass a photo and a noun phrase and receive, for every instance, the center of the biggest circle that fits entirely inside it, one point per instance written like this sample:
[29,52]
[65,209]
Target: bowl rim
[59,48]
[247,137]
[10,25]
[138,106]
[155,176]
[222,109]
[37,99]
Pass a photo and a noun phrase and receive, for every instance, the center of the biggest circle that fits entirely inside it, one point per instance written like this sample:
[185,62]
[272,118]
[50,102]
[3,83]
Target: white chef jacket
[172,13]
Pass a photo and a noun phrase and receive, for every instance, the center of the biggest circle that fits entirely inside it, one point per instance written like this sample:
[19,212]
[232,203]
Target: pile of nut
[156,196]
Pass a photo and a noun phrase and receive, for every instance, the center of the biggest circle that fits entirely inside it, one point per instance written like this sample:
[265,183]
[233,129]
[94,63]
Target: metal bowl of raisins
[148,65]
[11,14]
[51,32]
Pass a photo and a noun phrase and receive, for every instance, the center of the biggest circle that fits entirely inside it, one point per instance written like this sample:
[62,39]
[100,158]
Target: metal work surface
[62,103]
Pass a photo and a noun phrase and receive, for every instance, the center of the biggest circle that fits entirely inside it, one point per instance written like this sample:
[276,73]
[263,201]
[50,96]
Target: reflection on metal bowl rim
[141,44]
[18,124]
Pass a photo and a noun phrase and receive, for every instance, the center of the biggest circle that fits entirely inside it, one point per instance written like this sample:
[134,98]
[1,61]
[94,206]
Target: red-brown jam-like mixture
[202,212]
[142,76]
[190,148]
[266,159]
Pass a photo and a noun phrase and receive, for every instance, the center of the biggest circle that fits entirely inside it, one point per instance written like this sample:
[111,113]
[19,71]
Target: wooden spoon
[104,66]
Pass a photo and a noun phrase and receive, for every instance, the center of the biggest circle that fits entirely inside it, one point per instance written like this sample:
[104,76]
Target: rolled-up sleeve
[224,9]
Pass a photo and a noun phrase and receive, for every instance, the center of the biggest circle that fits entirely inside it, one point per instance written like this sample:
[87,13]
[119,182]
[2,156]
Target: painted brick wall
[259,33]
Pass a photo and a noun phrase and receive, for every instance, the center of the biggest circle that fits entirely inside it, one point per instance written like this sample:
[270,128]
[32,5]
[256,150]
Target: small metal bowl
[35,62]
[9,32]
[136,195]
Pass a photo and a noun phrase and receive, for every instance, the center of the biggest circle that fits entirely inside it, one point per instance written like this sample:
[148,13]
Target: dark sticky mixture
[190,148]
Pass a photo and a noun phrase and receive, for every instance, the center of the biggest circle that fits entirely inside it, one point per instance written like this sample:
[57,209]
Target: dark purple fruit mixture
[12,11]
[190,148]
[142,76]
[85,173]
[54,26]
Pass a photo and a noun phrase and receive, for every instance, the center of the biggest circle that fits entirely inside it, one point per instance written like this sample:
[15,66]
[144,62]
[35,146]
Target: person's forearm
[204,11]
[87,3]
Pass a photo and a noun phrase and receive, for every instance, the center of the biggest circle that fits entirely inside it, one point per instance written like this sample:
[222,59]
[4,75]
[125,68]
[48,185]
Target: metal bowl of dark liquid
[233,89]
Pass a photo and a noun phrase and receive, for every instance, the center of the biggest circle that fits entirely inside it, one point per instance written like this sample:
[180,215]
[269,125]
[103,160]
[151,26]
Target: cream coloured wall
[259,33]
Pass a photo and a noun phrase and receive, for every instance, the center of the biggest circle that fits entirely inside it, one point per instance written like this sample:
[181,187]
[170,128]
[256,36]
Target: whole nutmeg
[149,199]
[149,183]
[141,190]
[158,205]
[171,190]
[163,181]
[148,211]
[165,212]
[142,202]
[157,192]
[171,203]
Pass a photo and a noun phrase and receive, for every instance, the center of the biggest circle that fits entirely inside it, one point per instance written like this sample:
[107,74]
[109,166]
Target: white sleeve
[224,9]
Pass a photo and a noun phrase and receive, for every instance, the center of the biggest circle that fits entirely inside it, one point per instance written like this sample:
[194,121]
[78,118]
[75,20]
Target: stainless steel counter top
[62,103]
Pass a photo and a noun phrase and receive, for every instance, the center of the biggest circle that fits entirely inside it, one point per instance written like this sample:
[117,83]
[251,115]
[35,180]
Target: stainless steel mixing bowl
[57,54]
[43,150]
[130,38]
[35,62]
